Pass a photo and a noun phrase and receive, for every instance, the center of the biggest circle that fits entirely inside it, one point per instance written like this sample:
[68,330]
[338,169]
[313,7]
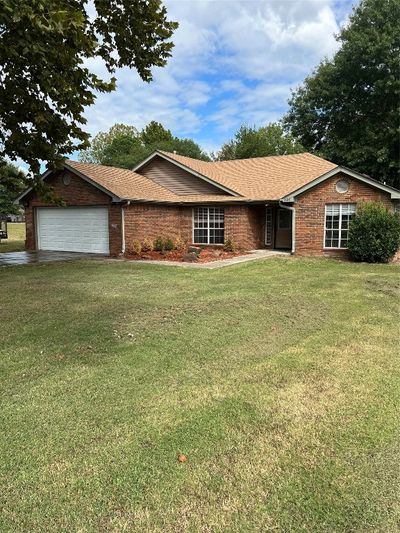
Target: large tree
[12,183]
[348,109]
[123,146]
[259,142]
[112,146]
[45,78]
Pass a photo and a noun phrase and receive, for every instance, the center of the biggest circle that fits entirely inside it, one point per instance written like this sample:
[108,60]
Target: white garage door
[73,229]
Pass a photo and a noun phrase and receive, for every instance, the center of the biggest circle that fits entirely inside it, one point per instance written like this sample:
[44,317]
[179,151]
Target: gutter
[293,210]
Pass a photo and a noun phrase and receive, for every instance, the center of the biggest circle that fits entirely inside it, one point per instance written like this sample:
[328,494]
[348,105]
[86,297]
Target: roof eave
[114,197]
[203,201]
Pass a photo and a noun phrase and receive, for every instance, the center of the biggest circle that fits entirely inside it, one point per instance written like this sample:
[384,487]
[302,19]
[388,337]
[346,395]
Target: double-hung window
[208,225]
[337,220]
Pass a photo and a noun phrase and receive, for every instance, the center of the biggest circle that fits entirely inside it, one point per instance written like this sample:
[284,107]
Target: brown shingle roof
[256,179]
[261,178]
[123,183]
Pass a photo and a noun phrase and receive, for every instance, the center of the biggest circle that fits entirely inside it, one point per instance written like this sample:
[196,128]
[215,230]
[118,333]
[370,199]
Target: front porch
[267,226]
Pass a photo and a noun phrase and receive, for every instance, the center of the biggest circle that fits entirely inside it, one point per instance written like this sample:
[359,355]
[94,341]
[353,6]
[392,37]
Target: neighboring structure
[296,202]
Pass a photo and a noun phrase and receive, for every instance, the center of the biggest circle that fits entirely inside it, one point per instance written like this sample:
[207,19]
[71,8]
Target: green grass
[16,238]
[278,379]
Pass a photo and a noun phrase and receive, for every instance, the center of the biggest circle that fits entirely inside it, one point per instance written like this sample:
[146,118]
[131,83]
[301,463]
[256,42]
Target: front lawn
[279,380]
[16,238]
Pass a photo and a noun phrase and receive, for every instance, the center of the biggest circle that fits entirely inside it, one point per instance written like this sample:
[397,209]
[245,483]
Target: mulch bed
[206,255]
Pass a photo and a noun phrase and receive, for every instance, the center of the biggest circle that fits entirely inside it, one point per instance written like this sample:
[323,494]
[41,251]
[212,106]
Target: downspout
[293,210]
[123,225]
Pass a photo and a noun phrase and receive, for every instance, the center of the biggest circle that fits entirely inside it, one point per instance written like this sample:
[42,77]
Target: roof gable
[193,166]
[120,184]
[394,193]
[175,178]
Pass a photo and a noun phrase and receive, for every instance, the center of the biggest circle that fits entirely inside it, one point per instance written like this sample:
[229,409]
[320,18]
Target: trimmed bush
[136,248]
[180,244]
[159,244]
[230,246]
[168,244]
[374,235]
[147,245]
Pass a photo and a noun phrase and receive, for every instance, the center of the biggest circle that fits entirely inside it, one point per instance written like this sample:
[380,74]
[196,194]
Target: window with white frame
[208,225]
[337,221]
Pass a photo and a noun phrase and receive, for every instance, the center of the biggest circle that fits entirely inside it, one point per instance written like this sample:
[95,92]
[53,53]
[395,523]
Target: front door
[283,236]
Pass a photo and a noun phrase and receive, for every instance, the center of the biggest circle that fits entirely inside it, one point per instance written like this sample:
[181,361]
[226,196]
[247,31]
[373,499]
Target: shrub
[179,244]
[147,245]
[374,234]
[168,244]
[230,246]
[159,244]
[136,248]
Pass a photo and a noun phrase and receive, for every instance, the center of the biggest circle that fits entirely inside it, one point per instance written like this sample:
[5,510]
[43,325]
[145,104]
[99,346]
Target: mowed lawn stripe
[279,380]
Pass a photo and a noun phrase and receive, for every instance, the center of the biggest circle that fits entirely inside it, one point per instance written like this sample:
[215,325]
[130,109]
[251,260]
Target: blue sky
[234,62]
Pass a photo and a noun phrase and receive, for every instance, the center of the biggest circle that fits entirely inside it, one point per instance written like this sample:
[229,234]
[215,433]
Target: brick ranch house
[300,203]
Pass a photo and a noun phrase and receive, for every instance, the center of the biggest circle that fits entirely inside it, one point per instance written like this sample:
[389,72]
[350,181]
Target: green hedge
[374,235]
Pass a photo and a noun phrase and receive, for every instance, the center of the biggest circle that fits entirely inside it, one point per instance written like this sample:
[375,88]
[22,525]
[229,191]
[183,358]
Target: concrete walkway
[32,258]
[211,265]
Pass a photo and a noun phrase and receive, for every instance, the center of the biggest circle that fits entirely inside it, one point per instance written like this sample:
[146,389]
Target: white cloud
[233,62]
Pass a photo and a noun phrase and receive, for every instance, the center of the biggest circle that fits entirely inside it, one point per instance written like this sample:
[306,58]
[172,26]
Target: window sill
[203,244]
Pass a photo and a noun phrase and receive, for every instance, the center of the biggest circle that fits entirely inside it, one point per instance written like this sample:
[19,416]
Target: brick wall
[77,193]
[243,224]
[310,212]
[147,221]
[115,229]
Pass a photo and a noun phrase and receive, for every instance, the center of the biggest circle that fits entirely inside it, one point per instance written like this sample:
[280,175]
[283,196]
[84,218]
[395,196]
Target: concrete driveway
[32,258]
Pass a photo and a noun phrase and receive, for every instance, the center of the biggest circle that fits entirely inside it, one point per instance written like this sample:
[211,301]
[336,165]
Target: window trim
[208,207]
[325,247]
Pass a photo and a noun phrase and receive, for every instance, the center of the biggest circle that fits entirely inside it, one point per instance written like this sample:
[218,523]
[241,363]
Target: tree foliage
[374,234]
[125,146]
[12,184]
[258,142]
[348,109]
[108,147]
[155,132]
[45,80]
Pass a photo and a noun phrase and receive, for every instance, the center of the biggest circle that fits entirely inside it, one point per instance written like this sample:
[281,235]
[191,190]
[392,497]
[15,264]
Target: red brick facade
[149,221]
[77,193]
[244,224]
[310,211]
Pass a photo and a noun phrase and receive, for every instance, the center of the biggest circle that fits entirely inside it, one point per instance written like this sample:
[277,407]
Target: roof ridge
[68,161]
[245,158]
[172,154]
[266,157]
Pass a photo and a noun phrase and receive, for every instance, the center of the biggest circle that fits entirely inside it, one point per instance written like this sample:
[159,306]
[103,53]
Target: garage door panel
[73,229]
